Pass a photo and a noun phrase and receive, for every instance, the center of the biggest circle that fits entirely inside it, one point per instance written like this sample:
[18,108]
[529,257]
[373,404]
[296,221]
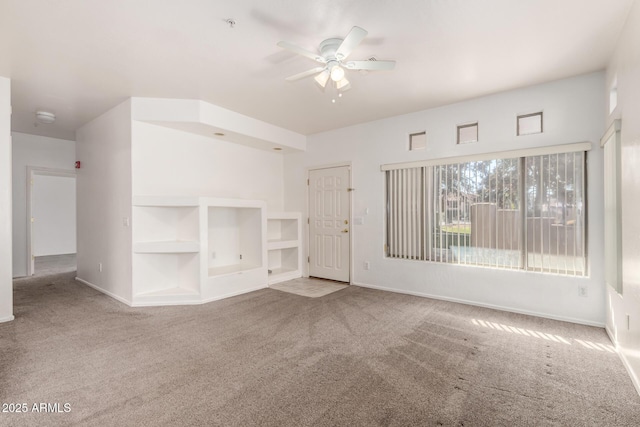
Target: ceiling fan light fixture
[333,57]
[322,78]
[45,117]
[343,84]
[337,73]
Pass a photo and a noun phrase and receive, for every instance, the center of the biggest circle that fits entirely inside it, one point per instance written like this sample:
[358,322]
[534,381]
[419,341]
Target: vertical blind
[519,213]
[406,213]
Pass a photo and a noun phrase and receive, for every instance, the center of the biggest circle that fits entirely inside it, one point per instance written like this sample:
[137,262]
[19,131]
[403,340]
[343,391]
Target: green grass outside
[457,228]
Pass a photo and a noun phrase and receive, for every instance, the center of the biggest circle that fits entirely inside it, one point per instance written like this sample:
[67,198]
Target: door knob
[345,231]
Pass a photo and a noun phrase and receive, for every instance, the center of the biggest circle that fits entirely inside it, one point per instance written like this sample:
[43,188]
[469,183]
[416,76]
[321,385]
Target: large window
[523,212]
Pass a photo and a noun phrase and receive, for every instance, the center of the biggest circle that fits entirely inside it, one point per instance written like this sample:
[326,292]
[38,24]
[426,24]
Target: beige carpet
[358,357]
[309,287]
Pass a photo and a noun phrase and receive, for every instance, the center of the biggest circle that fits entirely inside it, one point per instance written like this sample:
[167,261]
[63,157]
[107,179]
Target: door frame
[613,257]
[308,203]
[32,171]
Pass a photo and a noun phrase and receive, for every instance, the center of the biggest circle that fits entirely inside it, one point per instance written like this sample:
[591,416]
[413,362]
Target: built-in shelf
[281,244]
[281,271]
[284,252]
[167,247]
[169,291]
[168,296]
[188,250]
[230,269]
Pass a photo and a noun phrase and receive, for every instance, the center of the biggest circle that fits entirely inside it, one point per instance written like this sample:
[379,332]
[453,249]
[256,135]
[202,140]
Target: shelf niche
[235,239]
[165,224]
[283,244]
[195,250]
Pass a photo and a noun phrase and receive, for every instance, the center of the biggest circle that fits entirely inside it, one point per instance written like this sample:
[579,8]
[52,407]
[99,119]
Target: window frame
[411,135]
[580,269]
[459,127]
[524,116]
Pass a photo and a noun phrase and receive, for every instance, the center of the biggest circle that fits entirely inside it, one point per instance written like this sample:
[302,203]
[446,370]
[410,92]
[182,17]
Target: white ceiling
[78,58]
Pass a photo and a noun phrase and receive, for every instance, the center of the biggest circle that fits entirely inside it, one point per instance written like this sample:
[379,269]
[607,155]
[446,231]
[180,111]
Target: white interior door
[329,227]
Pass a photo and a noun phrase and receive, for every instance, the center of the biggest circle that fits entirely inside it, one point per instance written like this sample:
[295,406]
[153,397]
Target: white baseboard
[7,319]
[233,294]
[165,303]
[480,304]
[196,301]
[634,378]
[99,289]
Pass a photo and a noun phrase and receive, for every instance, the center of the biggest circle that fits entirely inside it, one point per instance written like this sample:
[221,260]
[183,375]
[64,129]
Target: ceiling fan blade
[300,51]
[304,74]
[349,43]
[370,65]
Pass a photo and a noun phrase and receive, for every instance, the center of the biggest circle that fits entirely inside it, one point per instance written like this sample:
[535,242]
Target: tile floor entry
[309,287]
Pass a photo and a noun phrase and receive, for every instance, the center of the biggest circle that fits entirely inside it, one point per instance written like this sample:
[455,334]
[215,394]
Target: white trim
[31,172]
[166,303]
[613,204]
[235,294]
[195,301]
[7,319]
[615,127]
[634,379]
[534,151]
[99,289]
[491,306]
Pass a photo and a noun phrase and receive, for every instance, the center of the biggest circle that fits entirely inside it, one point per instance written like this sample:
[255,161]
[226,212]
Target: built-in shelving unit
[235,248]
[283,245]
[189,250]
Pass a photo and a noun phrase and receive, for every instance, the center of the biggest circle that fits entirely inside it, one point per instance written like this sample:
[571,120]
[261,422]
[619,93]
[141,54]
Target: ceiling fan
[333,57]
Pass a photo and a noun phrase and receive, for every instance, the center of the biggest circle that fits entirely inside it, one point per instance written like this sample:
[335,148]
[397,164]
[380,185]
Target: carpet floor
[356,357]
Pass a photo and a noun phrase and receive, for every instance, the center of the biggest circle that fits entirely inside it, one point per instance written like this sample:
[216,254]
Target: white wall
[6,284]
[39,151]
[54,208]
[122,157]
[625,66]
[572,113]
[104,202]
[169,162]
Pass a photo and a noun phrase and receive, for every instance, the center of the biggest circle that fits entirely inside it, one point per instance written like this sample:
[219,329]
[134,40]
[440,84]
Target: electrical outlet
[125,221]
[100,267]
[366,265]
[213,255]
[582,291]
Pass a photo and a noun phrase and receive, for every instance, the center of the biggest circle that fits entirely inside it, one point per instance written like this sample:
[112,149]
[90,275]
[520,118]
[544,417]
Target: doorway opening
[51,221]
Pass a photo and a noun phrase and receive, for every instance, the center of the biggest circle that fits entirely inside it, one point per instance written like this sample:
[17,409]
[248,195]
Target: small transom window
[418,141]
[468,133]
[530,123]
